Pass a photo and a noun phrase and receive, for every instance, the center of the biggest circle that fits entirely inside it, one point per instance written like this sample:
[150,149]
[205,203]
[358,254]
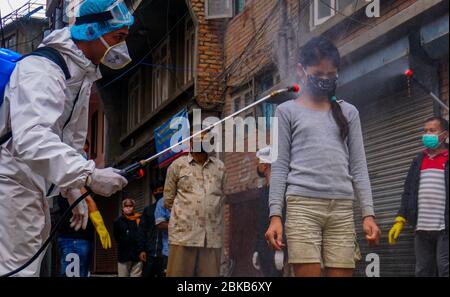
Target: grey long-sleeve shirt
[313,160]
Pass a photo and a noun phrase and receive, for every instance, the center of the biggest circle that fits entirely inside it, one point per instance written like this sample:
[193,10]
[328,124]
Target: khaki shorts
[321,231]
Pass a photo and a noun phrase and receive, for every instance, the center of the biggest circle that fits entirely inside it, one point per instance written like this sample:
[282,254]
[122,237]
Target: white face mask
[116,56]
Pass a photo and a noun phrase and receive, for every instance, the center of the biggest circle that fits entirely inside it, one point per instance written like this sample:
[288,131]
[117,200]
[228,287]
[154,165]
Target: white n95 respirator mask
[116,56]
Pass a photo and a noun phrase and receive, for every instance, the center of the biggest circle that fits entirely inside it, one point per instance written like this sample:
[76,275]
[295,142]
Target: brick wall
[251,44]
[210,59]
[241,32]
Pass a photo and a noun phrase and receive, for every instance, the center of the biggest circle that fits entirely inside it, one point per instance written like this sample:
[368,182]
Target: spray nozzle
[294,88]
[134,171]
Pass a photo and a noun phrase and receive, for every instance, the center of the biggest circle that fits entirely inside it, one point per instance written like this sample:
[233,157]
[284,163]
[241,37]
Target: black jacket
[151,239]
[127,235]
[409,204]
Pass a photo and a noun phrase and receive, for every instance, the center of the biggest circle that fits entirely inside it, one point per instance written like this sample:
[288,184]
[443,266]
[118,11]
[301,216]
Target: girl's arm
[280,168]
[358,166]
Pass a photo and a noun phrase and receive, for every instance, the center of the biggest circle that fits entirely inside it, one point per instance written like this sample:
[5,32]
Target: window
[267,81]
[147,83]
[237,103]
[242,99]
[342,4]
[249,99]
[323,10]
[263,84]
[189,49]
[134,96]
[239,6]
[160,75]
[217,9]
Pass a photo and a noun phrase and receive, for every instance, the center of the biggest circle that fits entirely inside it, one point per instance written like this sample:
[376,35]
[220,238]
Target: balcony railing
[31,9]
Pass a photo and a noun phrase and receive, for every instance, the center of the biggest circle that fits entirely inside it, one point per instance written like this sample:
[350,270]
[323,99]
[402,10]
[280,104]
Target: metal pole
[435,98]
[438,100]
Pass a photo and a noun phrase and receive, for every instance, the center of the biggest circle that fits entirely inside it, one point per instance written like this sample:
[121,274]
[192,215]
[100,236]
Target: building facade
[177,55]
[219,56]
[21,30]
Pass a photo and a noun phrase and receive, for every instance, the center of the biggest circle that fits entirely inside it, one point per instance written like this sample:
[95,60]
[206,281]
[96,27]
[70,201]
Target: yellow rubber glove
[396,229]
[97,220]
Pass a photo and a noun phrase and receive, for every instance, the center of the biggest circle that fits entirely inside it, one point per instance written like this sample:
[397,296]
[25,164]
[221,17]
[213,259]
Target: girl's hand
[274,234]
[372,231]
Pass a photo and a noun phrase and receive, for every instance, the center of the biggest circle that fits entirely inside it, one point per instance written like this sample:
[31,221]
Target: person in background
[74,240]
[320,170]
[151,243]
[194,192]
[162,218]
[128,235]
[264,258]
[80,241]
[424,203]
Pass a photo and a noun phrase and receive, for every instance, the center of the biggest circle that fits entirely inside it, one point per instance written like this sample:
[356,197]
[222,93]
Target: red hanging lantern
[409,73]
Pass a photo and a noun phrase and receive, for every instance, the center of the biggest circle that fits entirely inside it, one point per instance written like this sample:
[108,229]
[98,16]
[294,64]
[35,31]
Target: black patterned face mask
[321,86]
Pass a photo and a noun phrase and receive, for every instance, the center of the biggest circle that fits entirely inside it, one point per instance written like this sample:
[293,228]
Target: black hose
[51,236]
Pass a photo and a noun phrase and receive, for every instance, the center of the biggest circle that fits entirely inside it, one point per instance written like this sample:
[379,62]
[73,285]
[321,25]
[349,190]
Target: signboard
[170,133]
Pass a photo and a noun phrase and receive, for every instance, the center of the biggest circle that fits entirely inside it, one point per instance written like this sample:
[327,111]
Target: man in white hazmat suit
[48,118]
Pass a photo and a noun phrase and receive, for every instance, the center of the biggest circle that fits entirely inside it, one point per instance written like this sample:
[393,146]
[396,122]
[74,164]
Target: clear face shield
[116,14]
[120,13]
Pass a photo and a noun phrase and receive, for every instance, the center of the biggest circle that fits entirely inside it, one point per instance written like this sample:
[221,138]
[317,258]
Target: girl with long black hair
[320,170]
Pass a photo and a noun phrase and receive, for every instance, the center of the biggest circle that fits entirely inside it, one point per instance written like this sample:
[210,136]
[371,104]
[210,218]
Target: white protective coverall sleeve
[36,123]
[79,128]
[106,181]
